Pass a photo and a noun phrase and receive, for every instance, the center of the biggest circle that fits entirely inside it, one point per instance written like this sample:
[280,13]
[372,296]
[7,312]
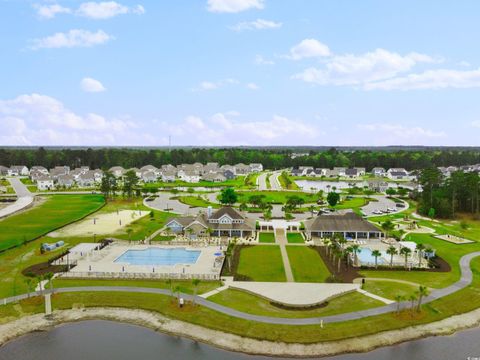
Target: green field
[389,289]
[295,238]
[56,211]
[306,264]
[262,263]
[238,182]
[195,201]
[256,305]
[277,197]
[266,237]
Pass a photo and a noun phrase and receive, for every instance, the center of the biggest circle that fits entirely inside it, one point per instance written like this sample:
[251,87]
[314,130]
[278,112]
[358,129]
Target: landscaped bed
[261,263]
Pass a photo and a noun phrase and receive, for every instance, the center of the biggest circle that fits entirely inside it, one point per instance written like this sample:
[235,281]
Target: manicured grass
[256,305]
[55,212]
[389,289]
[238,182]
[196,201]
[163,238]
[266,237]
[306,264]
[262,263]
[295,238]
[277,197]
[353,203]
[185,286]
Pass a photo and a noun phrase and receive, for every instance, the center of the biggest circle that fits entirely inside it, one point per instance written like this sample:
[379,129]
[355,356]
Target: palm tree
[326,243]
[376,254]
[391,251]
[177,291]
[387,226]
[412,299]
[340,255]
[348,251]
[399,299]
[195,283]
[49,277]
[405,252]
[29,283]
[420,248]
[170,285]
[311,208]
[356,250]
[422,292]
[129,232]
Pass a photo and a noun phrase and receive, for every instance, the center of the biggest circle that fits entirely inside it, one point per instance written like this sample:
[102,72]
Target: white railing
[132,275]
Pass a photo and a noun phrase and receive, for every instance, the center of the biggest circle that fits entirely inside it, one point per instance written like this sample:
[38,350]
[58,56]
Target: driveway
[24,198]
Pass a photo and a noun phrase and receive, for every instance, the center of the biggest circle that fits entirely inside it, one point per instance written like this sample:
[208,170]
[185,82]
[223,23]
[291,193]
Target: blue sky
[239,72]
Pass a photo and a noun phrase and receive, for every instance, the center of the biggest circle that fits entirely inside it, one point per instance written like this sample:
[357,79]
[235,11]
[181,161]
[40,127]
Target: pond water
[102,340]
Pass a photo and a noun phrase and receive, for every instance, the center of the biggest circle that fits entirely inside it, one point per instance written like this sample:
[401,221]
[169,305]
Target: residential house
[87,179]
[361,171]
[229,174]
[242,169]
[340,171]
[397,174]
[256,167]
[97,175]
[59,170]
[18,170]
[35,175]
[215,177]
[148,176]
[296,172]
[65,181]
[379,172]
[351,173]
[3,170]
[45,182]
[188,176]
[40,169]
[117,171]
[228,167]
[168,175]
[378,185]
[211,167]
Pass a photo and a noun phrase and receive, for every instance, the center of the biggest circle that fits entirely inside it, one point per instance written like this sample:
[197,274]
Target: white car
[391,209]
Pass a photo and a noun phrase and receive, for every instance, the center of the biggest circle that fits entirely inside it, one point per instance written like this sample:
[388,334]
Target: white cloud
[223,129]
[430,79]
[214,85]
[71,39]
[253,86]
[42,120]
[476,124]
[260,60]
[259,24]
[91,85]
[393,134]
[107,9]
[50,11]
[309,48]
[233,6]
[361,69]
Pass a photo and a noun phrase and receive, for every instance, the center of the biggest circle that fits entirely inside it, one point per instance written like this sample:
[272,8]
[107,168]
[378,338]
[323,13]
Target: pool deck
[104,261]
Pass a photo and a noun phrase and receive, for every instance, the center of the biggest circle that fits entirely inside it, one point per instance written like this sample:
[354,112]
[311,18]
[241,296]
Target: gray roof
[227,210]
[340,223]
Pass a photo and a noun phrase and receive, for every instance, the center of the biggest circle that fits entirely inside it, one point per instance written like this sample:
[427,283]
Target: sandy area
[100,224]
[454,239]
[232,342]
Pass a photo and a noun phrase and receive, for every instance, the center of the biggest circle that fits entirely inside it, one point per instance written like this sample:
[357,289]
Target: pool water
[365,256]
[159,256]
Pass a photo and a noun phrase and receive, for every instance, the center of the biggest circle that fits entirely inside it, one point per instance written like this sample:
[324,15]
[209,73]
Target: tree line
[445,196]
[271,158]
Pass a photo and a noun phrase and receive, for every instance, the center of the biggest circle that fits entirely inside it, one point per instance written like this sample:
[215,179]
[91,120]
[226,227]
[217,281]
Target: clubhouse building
[349,225]
[225,221]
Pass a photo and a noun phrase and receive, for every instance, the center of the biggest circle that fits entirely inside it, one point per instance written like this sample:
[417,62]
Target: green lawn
[277,197]
[185,286]
[238,182]
[262,263]
[266,237]
[195,201]
[306,264]
[55,212]
[256,305]
[353,203]
[295,238]
[389,289]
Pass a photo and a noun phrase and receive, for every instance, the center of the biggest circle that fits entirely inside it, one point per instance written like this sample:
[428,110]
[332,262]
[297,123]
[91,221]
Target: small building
[117,171]
[148,176]
[378,186]
[40,169]
[256,167]
[242,169]
[397,174]
[3,170]
[188,176]
[168,175]
[351,173]
[229,175]
[379,172]
[17,170]
[349,225]
[66,181]
[214,177]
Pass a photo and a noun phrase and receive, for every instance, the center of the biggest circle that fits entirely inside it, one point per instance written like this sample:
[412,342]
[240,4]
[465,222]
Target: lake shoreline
[236,343]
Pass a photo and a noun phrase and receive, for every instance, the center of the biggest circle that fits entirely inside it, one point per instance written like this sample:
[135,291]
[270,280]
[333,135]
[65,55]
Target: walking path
[376,297]
[281,240]
[24,198]
[465,280]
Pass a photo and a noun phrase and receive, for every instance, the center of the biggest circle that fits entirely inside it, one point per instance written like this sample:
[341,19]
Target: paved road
[274,182]
[24,198]
[262,181]
[383,203]
[465,280]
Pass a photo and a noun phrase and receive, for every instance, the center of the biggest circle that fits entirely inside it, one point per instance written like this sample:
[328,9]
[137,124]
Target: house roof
[351,171]
[340,223]
[227,210]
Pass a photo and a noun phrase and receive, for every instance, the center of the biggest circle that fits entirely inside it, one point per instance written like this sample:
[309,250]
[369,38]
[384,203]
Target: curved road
[465,280]
[24,198]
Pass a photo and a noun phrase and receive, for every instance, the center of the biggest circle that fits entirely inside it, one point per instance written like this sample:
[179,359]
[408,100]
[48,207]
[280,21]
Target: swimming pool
[159,256]
[365,256]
